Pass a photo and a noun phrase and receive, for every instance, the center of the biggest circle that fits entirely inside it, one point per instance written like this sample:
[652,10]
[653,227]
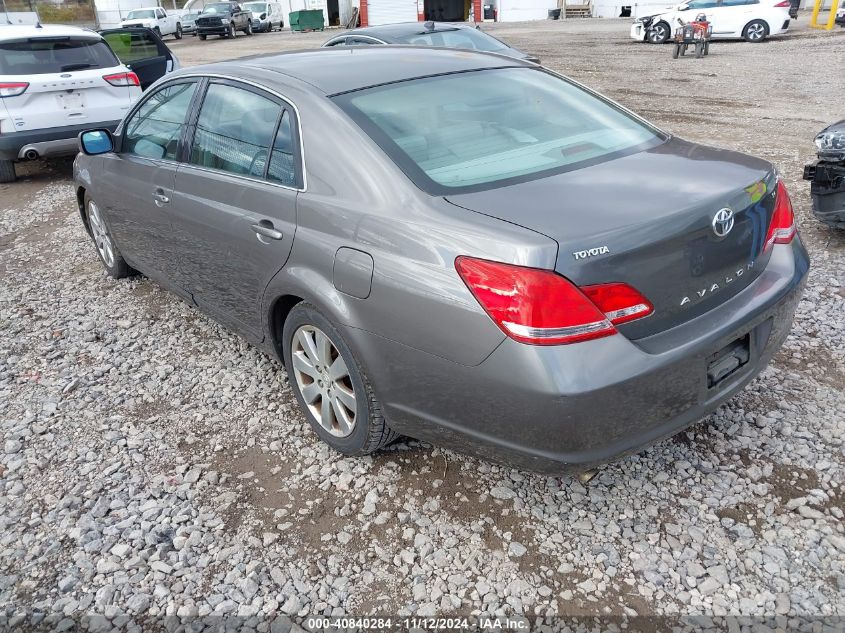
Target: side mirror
[94,142]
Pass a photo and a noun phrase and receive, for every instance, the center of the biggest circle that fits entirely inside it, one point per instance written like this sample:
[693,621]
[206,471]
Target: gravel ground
[152,463]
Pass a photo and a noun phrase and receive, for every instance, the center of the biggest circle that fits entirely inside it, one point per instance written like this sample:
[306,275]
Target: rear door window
[283,167]
[54,55]
[131,45]
[234,131]
[153,131]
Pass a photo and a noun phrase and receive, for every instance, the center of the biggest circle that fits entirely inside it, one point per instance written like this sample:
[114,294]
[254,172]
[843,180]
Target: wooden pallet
[578,10]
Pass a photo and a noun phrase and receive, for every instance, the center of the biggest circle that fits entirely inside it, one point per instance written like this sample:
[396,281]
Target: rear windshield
[143,14]
[469,39]
[477,130]
[38,56]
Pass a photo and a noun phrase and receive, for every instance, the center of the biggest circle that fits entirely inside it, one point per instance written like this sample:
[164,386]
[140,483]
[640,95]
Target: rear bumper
[59,141]
[568,408]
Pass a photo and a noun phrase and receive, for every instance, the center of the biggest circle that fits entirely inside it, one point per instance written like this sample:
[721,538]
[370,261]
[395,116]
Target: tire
[157,31]
[7,171]
[178,31]
[248,30]
[755,31]
[366,431]
[659,33]
[699,50]
[676,51]
[106,249]
[706,48]
[232,32]
[202,36]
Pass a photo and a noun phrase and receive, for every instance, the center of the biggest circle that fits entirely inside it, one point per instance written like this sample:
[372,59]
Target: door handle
[265,228]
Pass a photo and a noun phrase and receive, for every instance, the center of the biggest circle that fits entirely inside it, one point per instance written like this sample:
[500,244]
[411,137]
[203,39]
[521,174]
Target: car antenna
[37,19]
[6,10]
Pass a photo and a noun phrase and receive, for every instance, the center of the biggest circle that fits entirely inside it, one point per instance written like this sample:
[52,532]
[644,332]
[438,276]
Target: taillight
[12,89]
[619,302]
[782,228]
[784,5]
[123,79]
[540,307]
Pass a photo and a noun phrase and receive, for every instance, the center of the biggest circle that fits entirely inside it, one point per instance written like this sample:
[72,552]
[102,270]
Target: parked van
[266,16]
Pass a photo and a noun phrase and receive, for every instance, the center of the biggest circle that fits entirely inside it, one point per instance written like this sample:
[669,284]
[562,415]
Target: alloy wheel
[659,33]
[100,234]
[756,31]
[322,378]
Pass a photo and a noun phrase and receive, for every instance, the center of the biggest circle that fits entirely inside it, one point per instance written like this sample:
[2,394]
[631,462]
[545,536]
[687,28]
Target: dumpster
[309,20]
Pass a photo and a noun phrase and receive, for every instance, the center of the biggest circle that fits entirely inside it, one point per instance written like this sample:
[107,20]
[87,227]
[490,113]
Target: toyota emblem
[723,222]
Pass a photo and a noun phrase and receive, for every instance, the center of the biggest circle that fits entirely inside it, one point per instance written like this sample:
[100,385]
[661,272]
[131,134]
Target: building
[377,12]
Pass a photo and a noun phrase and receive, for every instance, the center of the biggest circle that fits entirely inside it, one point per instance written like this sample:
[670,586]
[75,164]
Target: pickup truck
[224,19]
[154,18]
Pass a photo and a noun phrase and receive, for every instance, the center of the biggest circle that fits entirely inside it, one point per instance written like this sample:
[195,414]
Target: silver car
[460,247]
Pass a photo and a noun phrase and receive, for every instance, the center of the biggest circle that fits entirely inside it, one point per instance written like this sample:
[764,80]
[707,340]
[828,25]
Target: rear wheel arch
[80,204]
[295,284]
[279,310]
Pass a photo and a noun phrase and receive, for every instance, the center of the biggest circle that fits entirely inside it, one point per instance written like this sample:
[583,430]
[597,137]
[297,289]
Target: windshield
[144,14]
[471,39]
[54,55]
[477,130]
[221,7]
[256,7]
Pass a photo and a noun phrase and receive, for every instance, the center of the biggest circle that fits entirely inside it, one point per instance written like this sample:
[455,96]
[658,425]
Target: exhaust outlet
[31,154]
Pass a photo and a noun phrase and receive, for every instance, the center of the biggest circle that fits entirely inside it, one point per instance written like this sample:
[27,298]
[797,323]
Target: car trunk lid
[648,220]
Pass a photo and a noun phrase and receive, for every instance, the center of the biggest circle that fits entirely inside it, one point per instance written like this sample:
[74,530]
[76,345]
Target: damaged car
[827,176]
[751,20]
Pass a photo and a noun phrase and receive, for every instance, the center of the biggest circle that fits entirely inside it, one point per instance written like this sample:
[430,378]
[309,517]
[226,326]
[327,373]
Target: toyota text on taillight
[540,307]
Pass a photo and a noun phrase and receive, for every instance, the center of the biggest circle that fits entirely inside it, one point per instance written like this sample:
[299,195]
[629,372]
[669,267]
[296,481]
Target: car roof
[405,28]
[26,31]
[336,70]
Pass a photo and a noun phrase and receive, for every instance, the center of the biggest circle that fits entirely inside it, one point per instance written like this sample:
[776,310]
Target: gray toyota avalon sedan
[456,246]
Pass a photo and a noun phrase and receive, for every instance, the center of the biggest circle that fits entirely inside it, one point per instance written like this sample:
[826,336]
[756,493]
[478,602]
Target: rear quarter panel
[356,198]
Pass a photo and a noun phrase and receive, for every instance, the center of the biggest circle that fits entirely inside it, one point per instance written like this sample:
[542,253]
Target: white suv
[751,20]
[56,81]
